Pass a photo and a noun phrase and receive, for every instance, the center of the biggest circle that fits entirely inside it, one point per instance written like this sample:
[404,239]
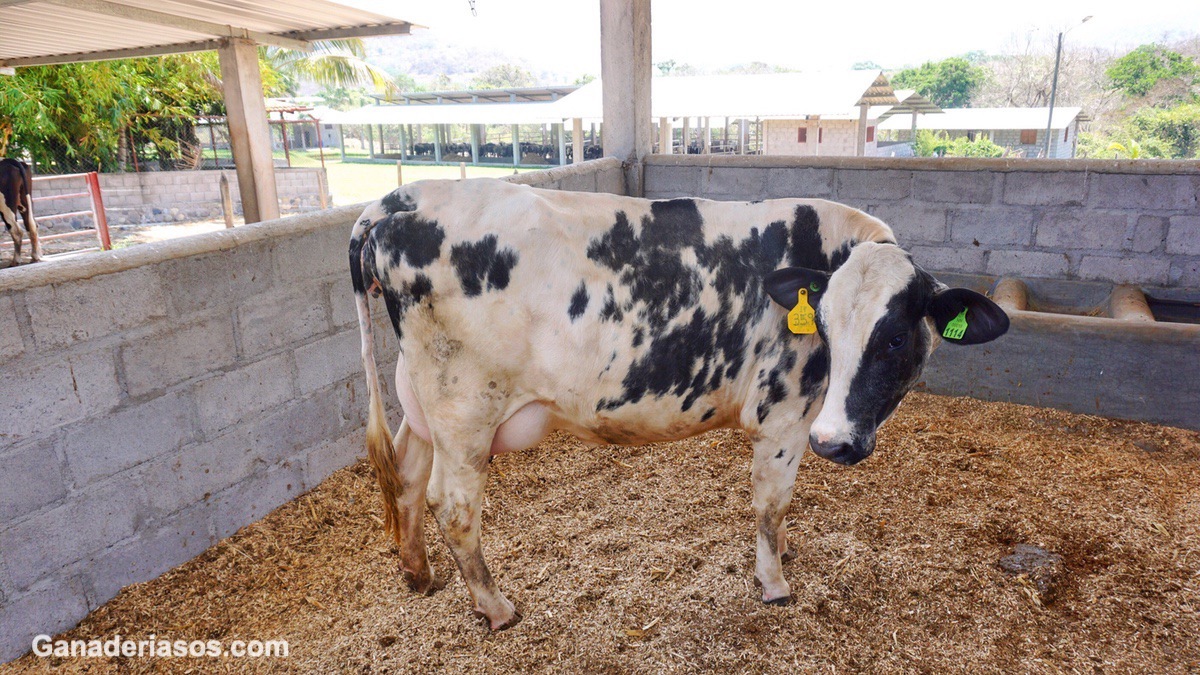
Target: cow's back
[635,319]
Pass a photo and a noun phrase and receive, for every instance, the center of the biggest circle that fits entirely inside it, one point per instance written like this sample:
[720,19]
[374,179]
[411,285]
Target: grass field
[352,182]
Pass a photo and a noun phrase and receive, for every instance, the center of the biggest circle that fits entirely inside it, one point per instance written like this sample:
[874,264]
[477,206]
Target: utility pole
[1054,82]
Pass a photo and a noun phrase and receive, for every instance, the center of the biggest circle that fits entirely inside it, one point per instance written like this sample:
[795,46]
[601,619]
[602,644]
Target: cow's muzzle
[841,452]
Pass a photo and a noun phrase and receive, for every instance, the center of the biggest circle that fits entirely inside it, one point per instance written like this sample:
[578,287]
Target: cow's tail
[380,448]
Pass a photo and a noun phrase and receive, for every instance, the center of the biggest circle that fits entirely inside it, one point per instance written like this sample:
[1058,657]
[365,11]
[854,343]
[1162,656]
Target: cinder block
[799,183]
[30,480]
[74,311]
[68,388]
[1147,234]
[178,353]
[963,259]
[10,330]
[1028,264]
[167,544]
[611,181]
[333,455]
[913,222]
[220,279]
[46,610]
[1183,237]
[252,499]
[1185,272]
[1076,228]
[722,182]
[960,187]
[1143,192]
[282,317]
[345,309]
[1064,188]
[244,393]
[102,447]
[673,179]
[992,226]
[328,360]
[1127,269]
[314,255]
[39,546]
[579,182]
[874,184]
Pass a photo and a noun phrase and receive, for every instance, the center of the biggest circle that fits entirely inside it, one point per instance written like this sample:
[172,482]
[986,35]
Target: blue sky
[564,35]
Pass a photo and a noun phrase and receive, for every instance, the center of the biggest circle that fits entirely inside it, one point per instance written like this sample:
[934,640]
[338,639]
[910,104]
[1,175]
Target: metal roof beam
[181,22]
[375,30]
[111,54]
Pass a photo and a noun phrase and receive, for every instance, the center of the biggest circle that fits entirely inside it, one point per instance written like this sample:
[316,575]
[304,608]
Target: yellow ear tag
[802,318]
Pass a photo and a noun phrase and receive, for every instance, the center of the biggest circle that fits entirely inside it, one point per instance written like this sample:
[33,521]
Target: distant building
[1020,130]
[836,133]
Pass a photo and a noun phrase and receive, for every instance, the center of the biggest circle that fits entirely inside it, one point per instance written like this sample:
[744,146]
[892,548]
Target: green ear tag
[957,327]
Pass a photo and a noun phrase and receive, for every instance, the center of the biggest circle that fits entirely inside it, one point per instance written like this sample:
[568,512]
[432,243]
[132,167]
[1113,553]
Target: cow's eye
[897,341]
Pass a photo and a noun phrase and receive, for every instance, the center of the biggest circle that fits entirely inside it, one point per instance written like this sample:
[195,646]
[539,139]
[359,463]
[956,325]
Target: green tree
[866,65]
[949,83]
[939,144]
[1146,68]
[330,63]
[504,76]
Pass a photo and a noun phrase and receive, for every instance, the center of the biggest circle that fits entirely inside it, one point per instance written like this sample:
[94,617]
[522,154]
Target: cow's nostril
[842,453]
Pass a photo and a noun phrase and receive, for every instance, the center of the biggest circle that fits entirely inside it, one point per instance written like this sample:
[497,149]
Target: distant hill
[431,60]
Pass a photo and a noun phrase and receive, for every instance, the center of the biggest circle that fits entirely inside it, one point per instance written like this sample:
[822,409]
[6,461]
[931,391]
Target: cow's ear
[964,317]
[783,285]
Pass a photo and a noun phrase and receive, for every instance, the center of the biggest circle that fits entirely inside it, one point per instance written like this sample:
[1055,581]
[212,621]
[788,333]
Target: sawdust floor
[640,560]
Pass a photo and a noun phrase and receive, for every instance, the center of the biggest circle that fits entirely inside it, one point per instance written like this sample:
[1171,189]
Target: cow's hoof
[783,601]
[422,584]
[497,626]
[787,557]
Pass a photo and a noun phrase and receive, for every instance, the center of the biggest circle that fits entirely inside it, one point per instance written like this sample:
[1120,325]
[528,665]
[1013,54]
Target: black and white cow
[16,197]
[622,320]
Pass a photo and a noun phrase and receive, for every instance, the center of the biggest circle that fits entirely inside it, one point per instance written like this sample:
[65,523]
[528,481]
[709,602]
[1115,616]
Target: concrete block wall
[168,196]
[1118,221]
[159,397]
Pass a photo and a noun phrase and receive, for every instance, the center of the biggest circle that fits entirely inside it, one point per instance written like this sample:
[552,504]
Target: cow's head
[881,316]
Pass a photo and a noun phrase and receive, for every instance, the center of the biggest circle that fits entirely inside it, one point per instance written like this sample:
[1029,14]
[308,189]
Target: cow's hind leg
[456,497]
[414,458]
[773,473]
[35,253]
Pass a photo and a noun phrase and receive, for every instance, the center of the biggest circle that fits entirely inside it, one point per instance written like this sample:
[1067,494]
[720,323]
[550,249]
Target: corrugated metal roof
[505,95]
[982,119]
[58,31]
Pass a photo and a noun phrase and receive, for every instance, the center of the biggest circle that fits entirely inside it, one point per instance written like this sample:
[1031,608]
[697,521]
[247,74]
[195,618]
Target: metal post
[664,135]
[403,143]
[687,130]
[437,143]
[516,145]
[226,201]
[342,141]
[474,143]
[1053,91]
[707,140]
[93,180]
[370,142]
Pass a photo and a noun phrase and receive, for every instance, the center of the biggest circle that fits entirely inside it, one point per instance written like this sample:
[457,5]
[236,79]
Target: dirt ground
[641,560]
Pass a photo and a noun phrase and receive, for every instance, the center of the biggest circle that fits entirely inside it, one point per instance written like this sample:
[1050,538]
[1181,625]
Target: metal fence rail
[99,217]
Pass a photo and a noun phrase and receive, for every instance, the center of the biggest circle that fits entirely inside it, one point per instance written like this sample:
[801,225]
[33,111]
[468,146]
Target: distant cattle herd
[545,153]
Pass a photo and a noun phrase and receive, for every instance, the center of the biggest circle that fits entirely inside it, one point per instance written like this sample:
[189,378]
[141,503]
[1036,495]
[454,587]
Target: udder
[523,429]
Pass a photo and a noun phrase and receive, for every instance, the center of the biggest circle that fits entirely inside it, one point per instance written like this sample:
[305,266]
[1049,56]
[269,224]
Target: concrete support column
[706,141]
[577,140]
[685,142]
[861,146]
[516,145]
[437,143]
[249,134]
[403,144]
[664,135]
[742,133]
[475,143]
[561,131]
[625,70]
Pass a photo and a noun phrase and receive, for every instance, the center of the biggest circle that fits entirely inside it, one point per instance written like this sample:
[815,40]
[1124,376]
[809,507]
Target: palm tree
[330,63]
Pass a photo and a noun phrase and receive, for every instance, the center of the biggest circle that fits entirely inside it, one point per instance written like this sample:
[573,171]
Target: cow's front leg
[456,497]
[773,473]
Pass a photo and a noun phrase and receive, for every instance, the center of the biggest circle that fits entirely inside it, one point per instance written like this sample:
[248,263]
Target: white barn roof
[981,119]
[773,95]
[38,32]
